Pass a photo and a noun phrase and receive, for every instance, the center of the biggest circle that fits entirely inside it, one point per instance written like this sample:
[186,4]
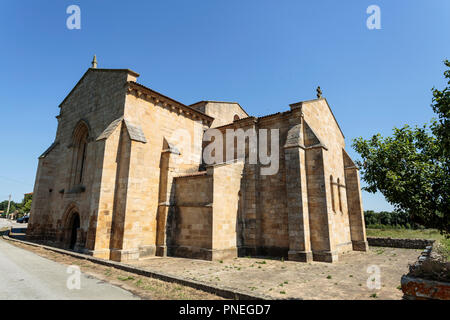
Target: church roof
[212,101]
[134,130]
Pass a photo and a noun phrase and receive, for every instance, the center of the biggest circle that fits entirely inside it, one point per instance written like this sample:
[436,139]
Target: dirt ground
[347,279]
[144,287]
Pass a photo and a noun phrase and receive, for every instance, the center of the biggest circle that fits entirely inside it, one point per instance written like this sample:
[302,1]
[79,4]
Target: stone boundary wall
[220,291]
[400,243]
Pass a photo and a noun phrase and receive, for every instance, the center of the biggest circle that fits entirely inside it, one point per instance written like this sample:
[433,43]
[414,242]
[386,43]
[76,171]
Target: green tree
[22,207]
[4,205]
[411,167]
[441,106]
[26,206]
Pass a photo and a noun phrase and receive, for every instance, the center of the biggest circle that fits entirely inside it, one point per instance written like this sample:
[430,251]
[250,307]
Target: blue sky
[263,54]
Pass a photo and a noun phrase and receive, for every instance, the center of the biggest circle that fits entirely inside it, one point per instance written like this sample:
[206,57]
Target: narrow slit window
[80,141]
[332,193]
[339,194]
[83,160]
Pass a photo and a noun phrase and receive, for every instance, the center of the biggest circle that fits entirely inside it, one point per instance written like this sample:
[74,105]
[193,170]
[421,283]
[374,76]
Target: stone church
[118,182]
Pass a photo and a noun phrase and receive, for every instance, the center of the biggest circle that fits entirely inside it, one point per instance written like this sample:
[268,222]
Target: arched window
[332,193]
[236,117]
[80,139]
[339,194]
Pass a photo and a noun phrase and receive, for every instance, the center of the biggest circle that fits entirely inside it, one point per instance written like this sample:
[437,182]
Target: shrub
[385,219]
[431,269]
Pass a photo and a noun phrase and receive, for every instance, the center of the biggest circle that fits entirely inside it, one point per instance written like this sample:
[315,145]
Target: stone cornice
[249,121]
[142,92]
[255,120]
[198,174]
[301,146]
[317,146]
[339,184]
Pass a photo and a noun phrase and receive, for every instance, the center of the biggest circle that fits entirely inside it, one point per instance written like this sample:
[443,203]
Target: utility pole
[7,210]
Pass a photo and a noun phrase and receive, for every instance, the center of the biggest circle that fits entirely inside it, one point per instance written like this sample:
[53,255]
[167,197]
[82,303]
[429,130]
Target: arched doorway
[73,229]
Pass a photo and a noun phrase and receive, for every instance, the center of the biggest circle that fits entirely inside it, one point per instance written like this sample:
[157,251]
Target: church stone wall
[206,212]
[227,184]
[193,219]
[274,235]
[263,218]
[319,117]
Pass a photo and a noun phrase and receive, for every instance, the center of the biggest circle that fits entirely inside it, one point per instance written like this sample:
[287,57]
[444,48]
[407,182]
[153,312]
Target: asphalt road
[25,275]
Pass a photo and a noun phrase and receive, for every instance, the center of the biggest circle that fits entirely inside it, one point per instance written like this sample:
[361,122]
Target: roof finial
[319,92]
[94,62]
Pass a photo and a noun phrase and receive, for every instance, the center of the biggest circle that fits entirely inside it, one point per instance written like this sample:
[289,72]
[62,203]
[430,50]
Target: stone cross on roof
[94,62]
[319,92]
